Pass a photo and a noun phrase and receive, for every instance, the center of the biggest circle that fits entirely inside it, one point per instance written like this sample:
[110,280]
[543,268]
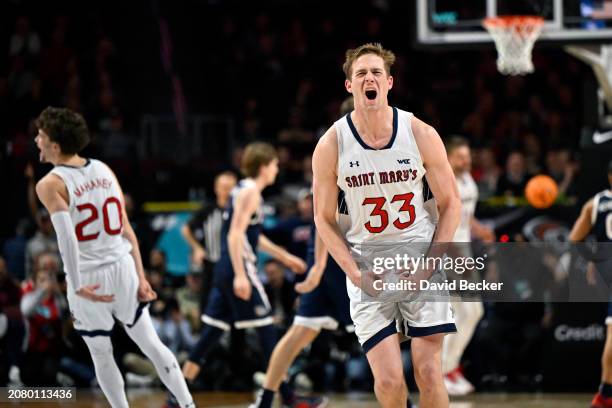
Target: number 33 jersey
[96,211]
[385,189]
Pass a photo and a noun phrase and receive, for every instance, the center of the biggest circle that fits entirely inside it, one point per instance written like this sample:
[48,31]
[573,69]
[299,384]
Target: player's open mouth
[371,94]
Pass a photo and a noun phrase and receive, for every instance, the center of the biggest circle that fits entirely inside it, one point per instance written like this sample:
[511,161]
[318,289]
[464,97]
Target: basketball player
[100,252]
[468,311]
[596,216]
[320,307]
[378,155]
[237,296]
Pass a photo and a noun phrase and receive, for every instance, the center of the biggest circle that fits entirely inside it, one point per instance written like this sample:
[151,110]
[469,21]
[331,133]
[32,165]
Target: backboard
[460,21]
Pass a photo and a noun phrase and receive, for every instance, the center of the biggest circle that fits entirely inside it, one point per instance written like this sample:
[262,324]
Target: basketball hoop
[514,37]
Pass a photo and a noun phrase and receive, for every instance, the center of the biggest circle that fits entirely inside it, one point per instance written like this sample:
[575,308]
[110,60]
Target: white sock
[467,316]
[108,374]
[169,371]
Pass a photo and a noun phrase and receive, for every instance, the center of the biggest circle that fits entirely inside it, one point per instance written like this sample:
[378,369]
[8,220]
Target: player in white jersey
[467,311]
[102,261]
[379,155]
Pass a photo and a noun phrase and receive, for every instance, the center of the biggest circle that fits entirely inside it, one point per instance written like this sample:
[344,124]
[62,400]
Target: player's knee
[390,383]
[302,335]
[428,374]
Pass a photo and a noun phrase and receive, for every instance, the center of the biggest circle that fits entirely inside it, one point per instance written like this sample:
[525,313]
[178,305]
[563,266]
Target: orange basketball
[541,191]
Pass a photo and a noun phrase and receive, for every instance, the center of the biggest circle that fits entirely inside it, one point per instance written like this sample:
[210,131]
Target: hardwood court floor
[146,398]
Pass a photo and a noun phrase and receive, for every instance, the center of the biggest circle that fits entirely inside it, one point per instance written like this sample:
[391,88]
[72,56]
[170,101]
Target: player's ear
[348,85]
[55,146]
[390,80]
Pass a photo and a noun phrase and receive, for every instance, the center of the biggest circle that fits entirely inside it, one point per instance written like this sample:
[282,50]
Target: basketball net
[514,37]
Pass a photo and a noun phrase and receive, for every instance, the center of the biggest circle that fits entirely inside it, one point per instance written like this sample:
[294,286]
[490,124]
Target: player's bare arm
[325,201]
[198,254]
[296,264]
[583,224]
[440,178]
[52,192]
[246,203]
[316,270]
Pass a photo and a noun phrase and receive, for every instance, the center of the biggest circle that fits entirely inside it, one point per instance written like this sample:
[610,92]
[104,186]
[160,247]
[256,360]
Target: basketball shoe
[599,401]
[456,384]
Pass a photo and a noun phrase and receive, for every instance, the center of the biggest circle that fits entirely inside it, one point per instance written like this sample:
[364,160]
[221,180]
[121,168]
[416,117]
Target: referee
[203,231]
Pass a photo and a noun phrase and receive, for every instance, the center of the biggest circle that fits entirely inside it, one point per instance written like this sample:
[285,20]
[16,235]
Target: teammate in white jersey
[467,311]
[102,261]
[379,156]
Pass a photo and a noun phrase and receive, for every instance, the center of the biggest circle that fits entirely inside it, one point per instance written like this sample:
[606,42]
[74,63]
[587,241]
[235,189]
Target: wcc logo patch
[403,161]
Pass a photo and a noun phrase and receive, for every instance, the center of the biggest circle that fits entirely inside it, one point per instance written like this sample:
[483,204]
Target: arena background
[172,91]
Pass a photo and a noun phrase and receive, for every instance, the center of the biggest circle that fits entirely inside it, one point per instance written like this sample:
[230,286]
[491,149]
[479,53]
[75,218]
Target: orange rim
[513,21]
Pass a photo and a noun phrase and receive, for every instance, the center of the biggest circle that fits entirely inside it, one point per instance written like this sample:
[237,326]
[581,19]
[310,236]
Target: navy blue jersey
[601,216]
[254,228]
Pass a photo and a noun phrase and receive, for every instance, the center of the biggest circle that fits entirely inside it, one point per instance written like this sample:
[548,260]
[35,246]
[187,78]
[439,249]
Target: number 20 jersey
[96,211]
[385,189]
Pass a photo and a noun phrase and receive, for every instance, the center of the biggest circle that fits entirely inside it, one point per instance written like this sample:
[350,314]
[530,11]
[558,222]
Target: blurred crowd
[277,72]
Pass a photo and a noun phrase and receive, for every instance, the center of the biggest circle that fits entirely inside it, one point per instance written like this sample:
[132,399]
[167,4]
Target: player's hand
[146,292]
[198,256]
[355,278]
[311,282]
[366,283]
[89,293]
[487,235]
[242,287]
[297,265]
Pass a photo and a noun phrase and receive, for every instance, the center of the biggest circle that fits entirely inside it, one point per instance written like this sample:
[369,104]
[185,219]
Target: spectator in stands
[188,298]
[12,329]
[486,172]
[280,290]
[49,262]
[116,144]
[512,182]
[294,231]
[532,146]
[174,330]
[24,41]
[44,307]
[14,250]
[562,169]
[44,240]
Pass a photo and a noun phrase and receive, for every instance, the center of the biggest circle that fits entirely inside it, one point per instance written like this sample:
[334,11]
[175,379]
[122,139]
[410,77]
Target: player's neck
[373,125]
[72,160]
[260,182]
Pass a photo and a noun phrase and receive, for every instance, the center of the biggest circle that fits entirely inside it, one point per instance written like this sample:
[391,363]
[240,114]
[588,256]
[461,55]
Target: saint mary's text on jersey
[381,177]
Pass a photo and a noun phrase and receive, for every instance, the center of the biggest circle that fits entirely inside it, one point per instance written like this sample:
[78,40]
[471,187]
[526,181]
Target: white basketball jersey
[385,189]
[468,192]
[96,211]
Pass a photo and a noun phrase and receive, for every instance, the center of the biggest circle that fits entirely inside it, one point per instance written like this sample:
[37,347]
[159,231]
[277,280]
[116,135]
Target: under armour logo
[356,163]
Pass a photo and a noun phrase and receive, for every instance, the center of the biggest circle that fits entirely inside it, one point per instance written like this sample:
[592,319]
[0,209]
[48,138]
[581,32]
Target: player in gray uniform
[379,156]
[467,311]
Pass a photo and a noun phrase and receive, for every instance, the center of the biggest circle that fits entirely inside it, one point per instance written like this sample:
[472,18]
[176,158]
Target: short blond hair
[369,48]
[255,155]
